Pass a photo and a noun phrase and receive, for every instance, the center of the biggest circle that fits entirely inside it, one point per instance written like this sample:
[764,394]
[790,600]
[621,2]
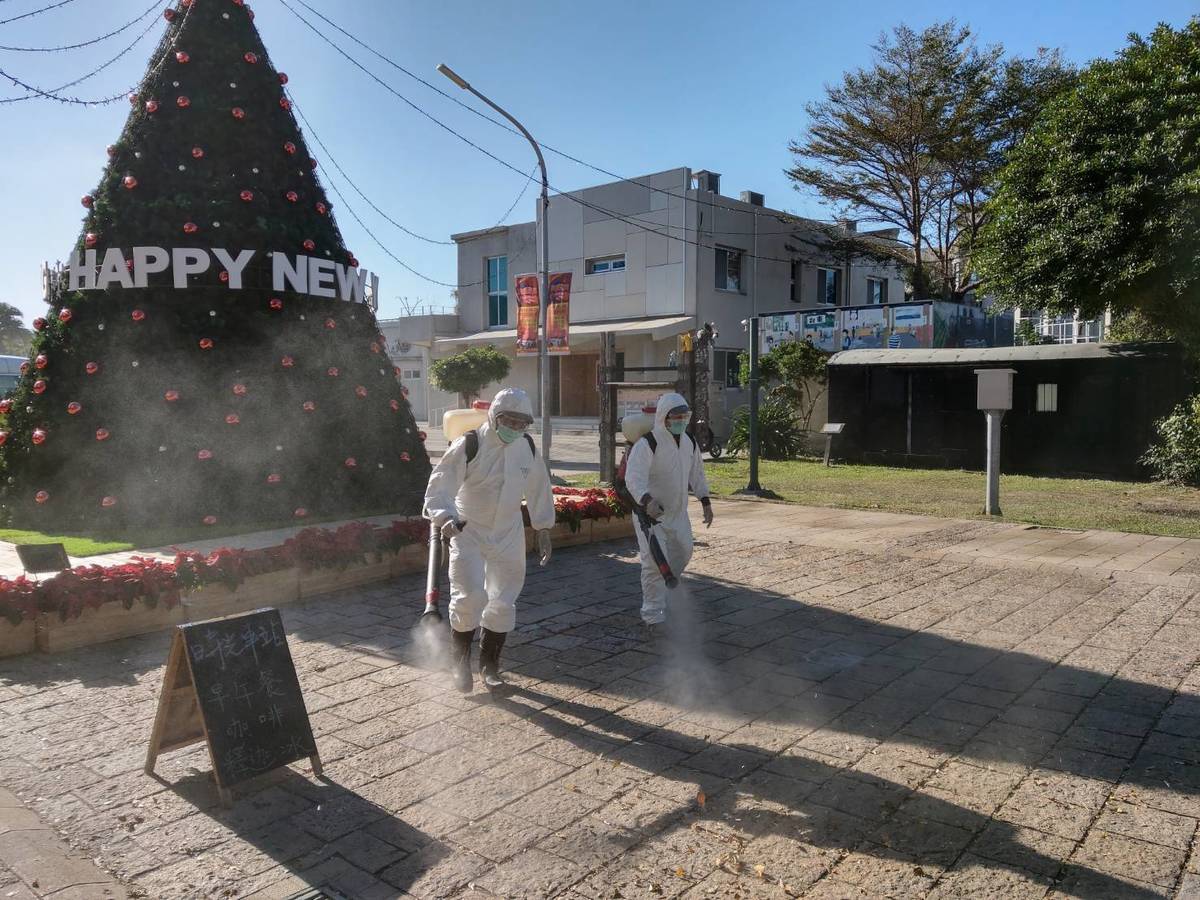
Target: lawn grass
[75,545]
[1073,503]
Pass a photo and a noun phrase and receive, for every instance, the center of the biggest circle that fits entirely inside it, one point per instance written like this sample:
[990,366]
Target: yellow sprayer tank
[638,424]
[457,422]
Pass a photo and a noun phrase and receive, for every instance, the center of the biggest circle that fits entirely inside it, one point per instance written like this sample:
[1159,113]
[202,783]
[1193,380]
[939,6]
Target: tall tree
[15,338]
[1099,208]
[914,141]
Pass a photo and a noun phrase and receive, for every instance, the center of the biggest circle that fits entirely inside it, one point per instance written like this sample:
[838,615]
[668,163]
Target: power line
[36,12]
[103,37]
[52,93]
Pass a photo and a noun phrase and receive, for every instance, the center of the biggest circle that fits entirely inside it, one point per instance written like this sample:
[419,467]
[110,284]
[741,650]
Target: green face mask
[508,435]
[677,426]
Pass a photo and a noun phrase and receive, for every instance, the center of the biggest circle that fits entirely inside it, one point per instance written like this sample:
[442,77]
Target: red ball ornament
[183,102]
[283,79]
[190,227]
[129,265]
[65,316]
[24,368]
[129,182]
[423,436]
[171,396]
[274,478]
[351,462]
[404,457]
[40,361]
[169,15]
[111,149]
[74,409]
[292,196]
[151,106]
[39,436]
[204,454]
[332,372]
[3,438]
[285,104]
[89,239]
[87,200]
[5,406]
[209,520]
[404,390]
[360,392]
[223,277]
[233,419]
[39,323]
[92,368]
[238,112]
[251,58]
[39,387]
[276,304]
[321,208]
[133,99]
[310,245]
[289,148]
[354,261]
[197,153]
[108,502]
[185,3]
[41,496]
[300,512]
[238,2]
[308,406]
[246,196]
[206,343]
[330,324]
[395,405]
[137,315]
[182,57]
[374,347]
[239,390]
[312,163]
[287,362]
[102,434]
[396,371]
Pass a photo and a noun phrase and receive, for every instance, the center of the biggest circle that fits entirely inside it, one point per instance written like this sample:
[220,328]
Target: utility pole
[543,260]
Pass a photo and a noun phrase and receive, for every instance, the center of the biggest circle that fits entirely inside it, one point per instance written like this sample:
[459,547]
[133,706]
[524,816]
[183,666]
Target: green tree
[1133,327]
[1099,207]
[798,374]
[779,432]
[15,338]
[469,372]
[157,404]
[914,141]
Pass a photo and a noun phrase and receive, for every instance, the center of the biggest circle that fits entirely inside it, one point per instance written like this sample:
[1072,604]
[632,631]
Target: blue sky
[629,85]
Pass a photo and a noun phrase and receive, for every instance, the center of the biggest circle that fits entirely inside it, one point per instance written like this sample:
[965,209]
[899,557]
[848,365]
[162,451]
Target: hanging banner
[527,315]
[558,315]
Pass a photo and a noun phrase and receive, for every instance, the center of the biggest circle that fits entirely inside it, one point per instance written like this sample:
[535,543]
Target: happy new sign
[89,271]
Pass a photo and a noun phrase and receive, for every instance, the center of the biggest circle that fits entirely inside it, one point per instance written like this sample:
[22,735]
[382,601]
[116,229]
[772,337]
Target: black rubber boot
[460,656]
[490,646]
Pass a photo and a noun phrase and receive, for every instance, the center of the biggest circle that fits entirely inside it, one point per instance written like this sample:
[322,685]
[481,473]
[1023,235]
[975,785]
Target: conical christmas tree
[209,359]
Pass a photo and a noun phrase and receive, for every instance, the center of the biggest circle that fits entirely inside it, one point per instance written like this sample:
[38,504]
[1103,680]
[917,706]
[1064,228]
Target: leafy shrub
[1175,456]
[779,431]
[469,372]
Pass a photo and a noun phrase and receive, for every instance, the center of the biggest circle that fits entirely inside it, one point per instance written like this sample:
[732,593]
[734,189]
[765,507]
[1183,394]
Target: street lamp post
[543,260]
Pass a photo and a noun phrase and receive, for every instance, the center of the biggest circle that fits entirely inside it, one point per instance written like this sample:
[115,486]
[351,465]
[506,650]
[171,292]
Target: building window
[1047,398]
[829,286]
[725,368]
[606,264]
[729,269]
[877,291]
[497,290]
[411,375]
[794,290]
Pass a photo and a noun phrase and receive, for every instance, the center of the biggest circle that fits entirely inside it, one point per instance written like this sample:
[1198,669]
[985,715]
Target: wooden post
[608,408]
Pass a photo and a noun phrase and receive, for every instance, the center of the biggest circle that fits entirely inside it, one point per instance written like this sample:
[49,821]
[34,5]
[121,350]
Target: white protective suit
[487,560]
[666,474]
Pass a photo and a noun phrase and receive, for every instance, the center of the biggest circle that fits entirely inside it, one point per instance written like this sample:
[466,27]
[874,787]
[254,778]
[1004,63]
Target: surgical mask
[677,426]
[508,435]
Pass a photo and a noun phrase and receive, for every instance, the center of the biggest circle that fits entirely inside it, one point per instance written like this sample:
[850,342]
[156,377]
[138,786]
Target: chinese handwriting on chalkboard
[251,638]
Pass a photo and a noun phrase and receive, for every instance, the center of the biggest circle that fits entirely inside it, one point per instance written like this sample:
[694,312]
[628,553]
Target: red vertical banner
[558,315]
[527,315]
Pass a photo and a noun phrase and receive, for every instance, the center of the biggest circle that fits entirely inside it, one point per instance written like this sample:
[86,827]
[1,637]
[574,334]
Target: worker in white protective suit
[476,502]
[660,478]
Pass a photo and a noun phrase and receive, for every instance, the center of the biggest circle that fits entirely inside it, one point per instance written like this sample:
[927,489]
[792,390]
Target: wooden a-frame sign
[231,683]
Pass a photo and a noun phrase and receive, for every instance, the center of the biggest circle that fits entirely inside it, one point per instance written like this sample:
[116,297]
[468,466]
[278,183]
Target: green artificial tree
[161,401]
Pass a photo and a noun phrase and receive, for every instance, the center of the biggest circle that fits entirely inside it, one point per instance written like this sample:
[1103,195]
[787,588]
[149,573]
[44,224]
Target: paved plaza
[846,705]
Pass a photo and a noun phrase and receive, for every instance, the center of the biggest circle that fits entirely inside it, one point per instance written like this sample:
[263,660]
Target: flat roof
[998,355]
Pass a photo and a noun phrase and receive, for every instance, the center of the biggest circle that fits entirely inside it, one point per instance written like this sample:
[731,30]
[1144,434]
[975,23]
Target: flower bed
[83,605]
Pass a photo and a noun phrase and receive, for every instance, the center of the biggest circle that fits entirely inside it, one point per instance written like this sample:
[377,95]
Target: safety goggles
[679,414]
[514,421]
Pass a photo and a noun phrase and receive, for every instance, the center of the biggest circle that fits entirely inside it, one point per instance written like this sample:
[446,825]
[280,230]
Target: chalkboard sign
[36,558]
[231,682]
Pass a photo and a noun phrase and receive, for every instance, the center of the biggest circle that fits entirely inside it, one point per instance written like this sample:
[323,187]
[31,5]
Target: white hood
[666,403]
[510,400]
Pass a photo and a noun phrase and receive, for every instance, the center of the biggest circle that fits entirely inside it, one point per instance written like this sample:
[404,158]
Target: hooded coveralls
[487,560]
[665,473]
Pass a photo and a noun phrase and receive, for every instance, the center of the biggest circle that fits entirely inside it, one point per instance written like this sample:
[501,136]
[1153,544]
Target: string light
[104,37]
[36,12]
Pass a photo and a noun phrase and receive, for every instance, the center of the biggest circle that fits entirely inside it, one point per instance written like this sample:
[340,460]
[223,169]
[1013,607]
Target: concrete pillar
[992,501]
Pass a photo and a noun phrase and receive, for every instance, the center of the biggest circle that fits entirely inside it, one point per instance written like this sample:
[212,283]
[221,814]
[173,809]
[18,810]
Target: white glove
[544,549]
[452,528]
[654,509]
